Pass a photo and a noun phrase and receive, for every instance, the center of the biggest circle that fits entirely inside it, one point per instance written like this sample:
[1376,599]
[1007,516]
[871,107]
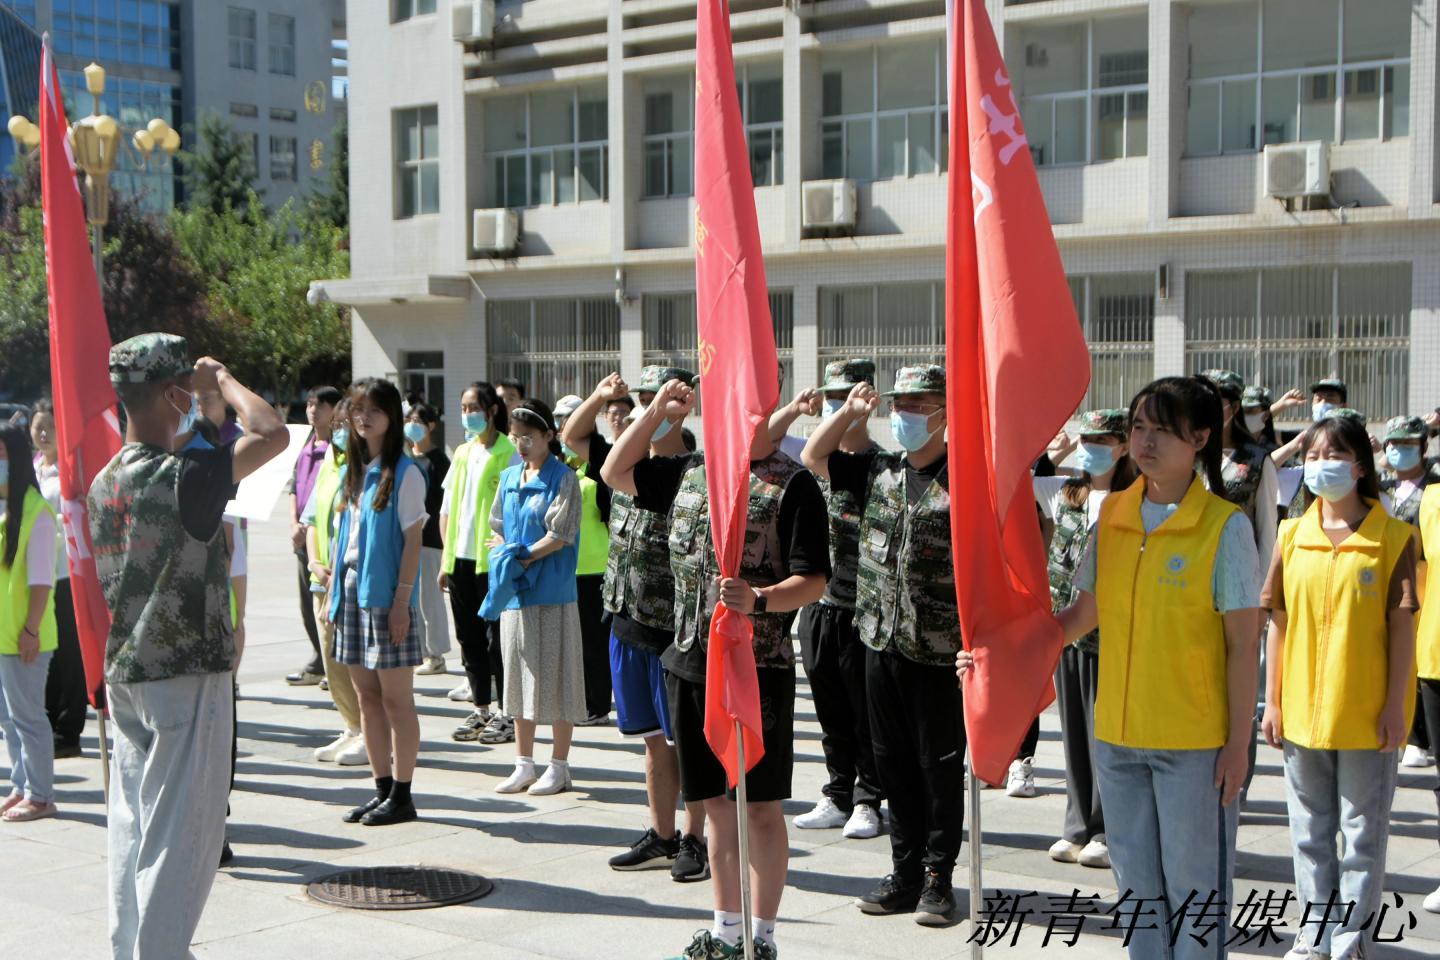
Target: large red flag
[737,366]
[1010,328]
[87,429]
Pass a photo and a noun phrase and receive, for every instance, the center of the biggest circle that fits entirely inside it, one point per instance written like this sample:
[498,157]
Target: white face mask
[1255,423]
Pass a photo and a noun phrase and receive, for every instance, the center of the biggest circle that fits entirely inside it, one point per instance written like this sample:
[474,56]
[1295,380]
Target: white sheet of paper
[258,492]
[1290,479]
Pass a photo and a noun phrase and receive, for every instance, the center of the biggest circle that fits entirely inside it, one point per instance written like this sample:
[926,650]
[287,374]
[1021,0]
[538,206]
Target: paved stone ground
[554,895]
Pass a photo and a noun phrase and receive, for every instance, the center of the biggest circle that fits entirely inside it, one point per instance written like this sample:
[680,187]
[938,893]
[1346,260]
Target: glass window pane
[1362,104]
[1110,126]
[858,162]
[891,139]
[591,174]
[409,135]
[1397,101]
[680,167]
[594,122]
[1377,30]
[767,102]
[1317,106]
[541,185]
[1054,59]
[907,74]
[409,192]
[1070,130]
[1036,117]
[565,176]
[655,163]
[1278,101]
[430,133]
[430,188]
[1301,33]
[778,168]
[515,187]
[496,187]
[847,82]
[1238,115]
[1122,55]
[832,150]
[760,157]
[1202,120]
[922,142]
[504,123]
[552,114]
[667,102]
[1137,123]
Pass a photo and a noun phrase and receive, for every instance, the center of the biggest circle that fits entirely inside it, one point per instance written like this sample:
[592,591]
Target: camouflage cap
[655,376]
[1095,423]
[1226,381]
[1345,413]
[150,357]
[926,379]
[567,405]
[1406,428]
[1256,397]
[845,374]
[1331,383]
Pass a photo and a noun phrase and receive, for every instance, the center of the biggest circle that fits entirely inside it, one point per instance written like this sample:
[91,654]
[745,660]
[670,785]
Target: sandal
[11,801]
[29,810]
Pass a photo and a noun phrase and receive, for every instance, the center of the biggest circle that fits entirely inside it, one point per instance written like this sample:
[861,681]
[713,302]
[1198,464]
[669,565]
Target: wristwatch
[760,604]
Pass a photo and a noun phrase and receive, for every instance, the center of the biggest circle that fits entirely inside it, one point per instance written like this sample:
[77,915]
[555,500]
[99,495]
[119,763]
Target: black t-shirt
[851,472]
[804,533]
[436,465]
[207,484]
[599,452]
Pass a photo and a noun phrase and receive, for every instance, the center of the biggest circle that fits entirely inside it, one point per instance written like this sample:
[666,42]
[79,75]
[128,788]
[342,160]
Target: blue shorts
[642,708]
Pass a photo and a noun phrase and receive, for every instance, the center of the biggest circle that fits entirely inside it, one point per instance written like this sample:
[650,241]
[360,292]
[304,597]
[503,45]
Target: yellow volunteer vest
[1162,671]
[1427,633]
[501,453]
[1337,638]
[327,491]
[15,582]
[594,535]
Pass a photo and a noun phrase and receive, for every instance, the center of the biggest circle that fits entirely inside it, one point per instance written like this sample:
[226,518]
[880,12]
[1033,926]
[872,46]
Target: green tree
[332,201]
[220,172]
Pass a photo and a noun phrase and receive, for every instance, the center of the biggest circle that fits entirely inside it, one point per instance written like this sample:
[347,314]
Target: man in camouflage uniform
[639,595]
[906,616]
[785,561]
[163,563]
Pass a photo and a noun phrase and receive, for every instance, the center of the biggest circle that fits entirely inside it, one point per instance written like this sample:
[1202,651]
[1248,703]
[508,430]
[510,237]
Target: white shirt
[466,547]
[1048,491]
[409,506]
[49,480]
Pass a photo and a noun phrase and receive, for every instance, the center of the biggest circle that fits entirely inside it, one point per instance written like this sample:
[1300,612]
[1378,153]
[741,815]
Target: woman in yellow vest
[1427,637]
[1171,578]
[1340,681]
[28,636]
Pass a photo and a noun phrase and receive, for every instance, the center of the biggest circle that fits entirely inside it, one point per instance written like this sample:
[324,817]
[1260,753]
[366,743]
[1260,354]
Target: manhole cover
[398,888]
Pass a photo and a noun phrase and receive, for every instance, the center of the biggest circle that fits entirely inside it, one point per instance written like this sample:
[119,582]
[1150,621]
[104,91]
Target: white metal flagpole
[977,883]
[104,756]
[742,818]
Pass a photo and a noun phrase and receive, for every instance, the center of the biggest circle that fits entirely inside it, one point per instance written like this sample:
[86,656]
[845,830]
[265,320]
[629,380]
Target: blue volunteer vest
[382,544]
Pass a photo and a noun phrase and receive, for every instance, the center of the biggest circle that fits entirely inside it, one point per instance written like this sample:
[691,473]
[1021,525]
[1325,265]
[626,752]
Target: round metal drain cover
[399,888]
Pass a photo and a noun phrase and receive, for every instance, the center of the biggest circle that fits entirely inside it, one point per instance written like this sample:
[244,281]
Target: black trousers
[917,720]
[66,699]
[1031,741]
[307,614]
[1077,679]
[1430,706]
[479,639]
[1423,731]
[834,661]
[594,643]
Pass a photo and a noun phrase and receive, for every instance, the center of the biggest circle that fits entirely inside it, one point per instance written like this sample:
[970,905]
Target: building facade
[264,65]
[19,75]
[1147,119]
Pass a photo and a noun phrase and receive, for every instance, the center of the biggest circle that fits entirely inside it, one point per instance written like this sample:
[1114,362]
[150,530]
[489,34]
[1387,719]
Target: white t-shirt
[40,554]
[466,547]
[793,446]
[409,506]
[49,480]
[1047,494]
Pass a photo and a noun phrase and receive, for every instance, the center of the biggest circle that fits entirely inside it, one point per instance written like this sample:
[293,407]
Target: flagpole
[104,756]
[742,818]
[977,884]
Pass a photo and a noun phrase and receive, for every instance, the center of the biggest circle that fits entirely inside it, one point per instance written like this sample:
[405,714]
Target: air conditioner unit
[828,204]
[496,231]
[1297,169]
[472,21]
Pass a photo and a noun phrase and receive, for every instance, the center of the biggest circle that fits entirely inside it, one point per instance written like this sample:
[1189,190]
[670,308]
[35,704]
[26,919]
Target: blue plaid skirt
[362,637]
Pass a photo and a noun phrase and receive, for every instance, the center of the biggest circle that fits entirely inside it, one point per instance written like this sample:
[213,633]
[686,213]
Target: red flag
[1010,326]
[737,367]
[87,429]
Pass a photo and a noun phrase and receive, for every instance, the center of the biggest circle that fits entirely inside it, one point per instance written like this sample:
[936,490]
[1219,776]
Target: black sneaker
[764,950]
[390,812]
[706,946]
[651,850]
[891,896]
[470,729]
[64,749]
[692,862]
[358,813]
[937,901]
[227,856]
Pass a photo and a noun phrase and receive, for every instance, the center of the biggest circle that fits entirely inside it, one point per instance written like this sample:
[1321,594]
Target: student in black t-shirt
[785,567]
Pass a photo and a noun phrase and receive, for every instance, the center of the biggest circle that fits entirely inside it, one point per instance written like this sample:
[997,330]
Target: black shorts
[701,775]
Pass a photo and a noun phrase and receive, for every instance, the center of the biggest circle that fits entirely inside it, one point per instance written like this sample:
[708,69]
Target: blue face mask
[1096,459]
[474,423]
[1402,456]
[831,408]
[414,432]
[1329,479]
[1317,412]
[910,429]
[339,438]
[187,417]
[662,431]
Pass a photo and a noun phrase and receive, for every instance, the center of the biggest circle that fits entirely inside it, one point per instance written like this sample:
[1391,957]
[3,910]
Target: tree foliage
[220,172]
[332,202]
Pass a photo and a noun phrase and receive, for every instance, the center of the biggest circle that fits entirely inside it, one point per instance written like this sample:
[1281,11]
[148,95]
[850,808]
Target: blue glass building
[19,75]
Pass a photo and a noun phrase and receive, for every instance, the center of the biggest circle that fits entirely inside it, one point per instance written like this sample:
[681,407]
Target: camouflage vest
[692,556]
[1067,546]
[638,584]
[845,512]
[1408,509]
[168,593]
[1242,471]
[906,584]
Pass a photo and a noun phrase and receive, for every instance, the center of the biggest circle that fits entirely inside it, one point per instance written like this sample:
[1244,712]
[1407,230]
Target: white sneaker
[433,666]
[1415,757]
[327,753]
[1021,782]
[1096,854]
[824,816]
[555,779]
[460,694]
[1432,902]
[354,754]
[520,780]
[1063,851]
[863,824]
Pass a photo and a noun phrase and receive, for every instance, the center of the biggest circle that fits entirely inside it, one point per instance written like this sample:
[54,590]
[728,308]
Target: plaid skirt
[362,637]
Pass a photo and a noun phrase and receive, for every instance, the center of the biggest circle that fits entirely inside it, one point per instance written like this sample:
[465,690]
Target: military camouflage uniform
[638,583]
[1408,508]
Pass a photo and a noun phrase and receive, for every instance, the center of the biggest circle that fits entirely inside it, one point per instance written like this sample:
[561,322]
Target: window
[883,112]
[556,347]
[424,373]
[417,161]
[282,159]
[1318,78]
[139,32]
[1287,327]
[548,147]
[281,115]
[896,324]
[405,9]
[762,103]
[133,103]
[244,110]
[1117,314]
[242,39]
[282,45]
[1084,90]
[669,118]
[670,330]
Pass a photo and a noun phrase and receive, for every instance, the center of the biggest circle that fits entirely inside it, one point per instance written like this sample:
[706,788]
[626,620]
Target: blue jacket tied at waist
[549,580]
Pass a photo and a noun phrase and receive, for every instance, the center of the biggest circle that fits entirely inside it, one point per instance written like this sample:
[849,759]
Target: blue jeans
[28,736]
[1170,839]
[1346,792]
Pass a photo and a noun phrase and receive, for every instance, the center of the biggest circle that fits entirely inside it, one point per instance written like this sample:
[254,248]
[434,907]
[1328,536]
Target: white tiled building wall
[418,286]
